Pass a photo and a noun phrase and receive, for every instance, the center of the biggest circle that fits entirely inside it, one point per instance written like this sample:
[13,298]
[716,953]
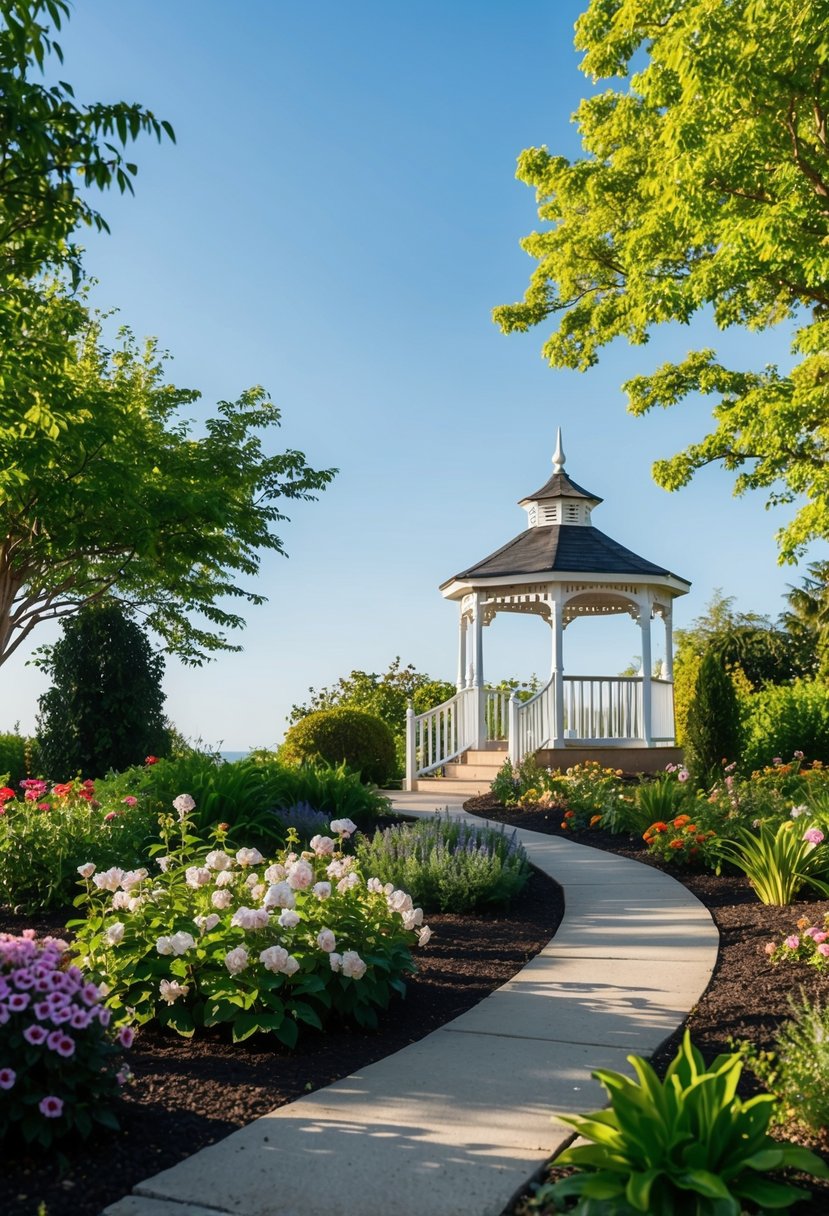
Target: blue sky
[336,222]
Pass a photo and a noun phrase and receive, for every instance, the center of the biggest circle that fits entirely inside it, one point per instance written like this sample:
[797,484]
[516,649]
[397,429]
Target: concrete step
[471,772]
[443,785]
[489,756]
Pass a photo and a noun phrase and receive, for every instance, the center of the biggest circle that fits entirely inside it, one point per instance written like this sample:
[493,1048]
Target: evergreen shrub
[784,719]
[713,725]
[343,736]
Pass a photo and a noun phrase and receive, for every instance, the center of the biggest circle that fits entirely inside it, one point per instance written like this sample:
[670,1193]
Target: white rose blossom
[207,923]
[275,873]
[109,880]
[221,899]
[413,919]
[322,890]
[326,940]
[258,892]
[274,958]
[335,961]
[250,918]
[120,900]
[132,878]
[353,966]
[87,869]
[184,804]
[177,943]
[251,880]
[288,919]
[236,960]
[217,860]
[424,936]
[197,876]
[279,895]
[300,875]
[115,933]
[375,886]
[163,863]
[249,857]
[346,884]
[224,878]
[322,845]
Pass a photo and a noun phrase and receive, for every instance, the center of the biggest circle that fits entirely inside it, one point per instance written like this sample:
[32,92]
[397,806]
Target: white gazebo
[559,568]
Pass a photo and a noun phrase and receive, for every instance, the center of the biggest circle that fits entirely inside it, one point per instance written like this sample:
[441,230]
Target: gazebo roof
[560,486]
[562,549]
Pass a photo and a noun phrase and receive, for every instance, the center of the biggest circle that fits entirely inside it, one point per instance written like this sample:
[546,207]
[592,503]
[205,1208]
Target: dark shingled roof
[562,548]
[560,486]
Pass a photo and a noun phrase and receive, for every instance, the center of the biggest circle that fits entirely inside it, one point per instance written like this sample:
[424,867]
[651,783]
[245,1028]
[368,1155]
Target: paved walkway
[455,1124]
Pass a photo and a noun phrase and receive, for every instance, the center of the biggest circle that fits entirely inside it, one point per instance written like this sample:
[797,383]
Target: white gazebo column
[478,671]
[461,682]
[667,620]
[647,664]
[557,629]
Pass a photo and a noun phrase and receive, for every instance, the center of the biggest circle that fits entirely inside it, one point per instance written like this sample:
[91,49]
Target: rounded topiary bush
[339,736]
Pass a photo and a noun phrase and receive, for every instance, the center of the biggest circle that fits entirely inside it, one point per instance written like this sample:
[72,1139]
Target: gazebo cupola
[559,567]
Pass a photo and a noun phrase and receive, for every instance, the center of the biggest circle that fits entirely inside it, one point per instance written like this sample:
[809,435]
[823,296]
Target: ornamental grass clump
[448,865]
[205,936]
[48,830]
[779,862]
[61,1066]
[685,1146]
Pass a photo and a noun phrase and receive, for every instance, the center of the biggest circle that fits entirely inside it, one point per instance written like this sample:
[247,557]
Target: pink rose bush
[62,1065]
[215,936]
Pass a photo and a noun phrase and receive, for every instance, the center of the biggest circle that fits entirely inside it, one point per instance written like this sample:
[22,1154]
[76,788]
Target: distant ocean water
[231,756]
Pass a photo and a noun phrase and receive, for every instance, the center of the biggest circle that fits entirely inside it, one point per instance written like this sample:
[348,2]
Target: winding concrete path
[456,1124]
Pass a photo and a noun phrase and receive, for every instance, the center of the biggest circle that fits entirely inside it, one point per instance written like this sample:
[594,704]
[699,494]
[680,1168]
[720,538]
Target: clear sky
[336,222]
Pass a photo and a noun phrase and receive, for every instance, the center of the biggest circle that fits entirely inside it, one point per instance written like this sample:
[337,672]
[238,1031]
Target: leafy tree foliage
[132,506]
[105,709]
[704,185]
[741,639]
[713,726]
[52,147]
[385,695]
[343,735]
[806,621]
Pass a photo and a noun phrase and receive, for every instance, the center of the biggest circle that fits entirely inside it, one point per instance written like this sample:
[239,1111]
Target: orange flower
[564,824]
[677,844]
[681,820]
[691,828]
[701,838]
[594,820]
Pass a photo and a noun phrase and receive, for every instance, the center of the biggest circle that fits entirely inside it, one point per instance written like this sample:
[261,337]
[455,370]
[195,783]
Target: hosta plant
[61,1065]
[685,1146]
[204,936]
[779,862]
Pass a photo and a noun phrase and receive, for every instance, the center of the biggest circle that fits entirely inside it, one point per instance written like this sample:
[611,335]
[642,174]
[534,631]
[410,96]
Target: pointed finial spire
[558,454]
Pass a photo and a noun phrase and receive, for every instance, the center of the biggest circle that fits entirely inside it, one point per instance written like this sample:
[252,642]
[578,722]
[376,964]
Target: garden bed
[747,997]
[189,1093]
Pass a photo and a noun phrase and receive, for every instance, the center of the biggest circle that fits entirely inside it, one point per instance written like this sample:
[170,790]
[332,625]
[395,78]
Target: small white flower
[424,936]
[171,990]
[288,919]
[115,933]
[110,880]
[300,875]
[275,873]
[250,918]
[132,878]
[399,901]
[163,863]
[197,876]
[207,923]
[274,958]
[135,902]
[291,966]
[343,827]
[280,895]
[413,919]
[322,890]
[87,869]
[346,884]
[164,945]
[375,886]
[221,899]
[335,961]
[182,942]
[184,804]
[120,900]
[224,878]
[251,880]
[322,845]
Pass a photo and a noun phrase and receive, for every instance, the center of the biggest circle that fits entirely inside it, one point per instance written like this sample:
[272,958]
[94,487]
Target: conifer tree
[712,735]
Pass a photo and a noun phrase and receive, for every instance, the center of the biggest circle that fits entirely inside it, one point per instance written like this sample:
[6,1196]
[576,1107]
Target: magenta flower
[823,949]
[813,835]
[51,1107]
[7,1078]
[792,942]
[35,1034]
[18,1001]
[126,1036]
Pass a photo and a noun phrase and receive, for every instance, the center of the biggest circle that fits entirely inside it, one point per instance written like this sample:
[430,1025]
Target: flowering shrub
[214,937]
[60,1067]
[46,831]
[796,1071]
[448,865]
[682,841]
[778,863]
[809,945]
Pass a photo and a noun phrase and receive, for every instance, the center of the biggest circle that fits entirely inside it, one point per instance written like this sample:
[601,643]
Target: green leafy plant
[447,865]
[212,938]
[47,831]
[782,719]
[685,1146]
[591,791]
[331,788]
[61,1068]
[779,862]
[661,797]
[343,736]
[796,1071]
[19,757]
[712,732]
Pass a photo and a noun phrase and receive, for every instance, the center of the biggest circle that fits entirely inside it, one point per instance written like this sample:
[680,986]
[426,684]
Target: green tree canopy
[806,620]
[704,185]
[746,640]
[132,506]
[386,695]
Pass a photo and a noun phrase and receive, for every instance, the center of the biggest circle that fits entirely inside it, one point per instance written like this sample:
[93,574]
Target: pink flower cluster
[49,1004]
[810,945]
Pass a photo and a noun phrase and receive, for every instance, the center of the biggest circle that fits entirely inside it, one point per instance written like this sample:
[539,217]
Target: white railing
[603,707]
[663,728]
[532,723]
[441,734]
[496,713]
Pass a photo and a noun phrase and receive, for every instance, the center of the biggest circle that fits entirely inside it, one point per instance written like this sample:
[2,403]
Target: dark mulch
[190,1093]
[747,997]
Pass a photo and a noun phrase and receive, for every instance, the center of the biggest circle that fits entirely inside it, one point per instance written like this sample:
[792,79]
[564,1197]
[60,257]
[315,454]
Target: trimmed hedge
[786,718]
[343,736]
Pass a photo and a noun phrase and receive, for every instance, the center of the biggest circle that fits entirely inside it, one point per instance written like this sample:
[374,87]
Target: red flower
[151,760]
[6,794]
[62,789]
